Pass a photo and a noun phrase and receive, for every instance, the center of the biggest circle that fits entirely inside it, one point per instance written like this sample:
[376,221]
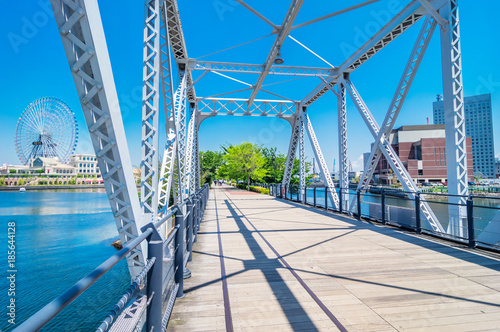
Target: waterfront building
[497,168]
[478,126]
[422,150]
[85,164]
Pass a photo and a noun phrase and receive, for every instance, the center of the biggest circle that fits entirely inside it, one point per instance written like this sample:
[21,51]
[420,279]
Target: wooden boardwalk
[287,267]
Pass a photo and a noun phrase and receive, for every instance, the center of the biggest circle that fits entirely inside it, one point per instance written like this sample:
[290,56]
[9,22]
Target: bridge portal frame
[80,26]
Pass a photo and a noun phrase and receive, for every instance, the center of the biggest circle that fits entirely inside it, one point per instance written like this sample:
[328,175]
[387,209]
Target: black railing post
[179,253]
[358,198]
[326,198]
[197,216]
[305,195]
[382,198]
[314,193]
[470,223]
[154,286]
[418,223]
[189,228]
[340,200]
[286,191]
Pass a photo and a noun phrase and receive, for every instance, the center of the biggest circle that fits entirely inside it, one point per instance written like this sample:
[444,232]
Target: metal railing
[155,289]
[479,224]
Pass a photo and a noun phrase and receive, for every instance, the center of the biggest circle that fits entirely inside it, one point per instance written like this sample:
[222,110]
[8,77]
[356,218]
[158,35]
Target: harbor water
[60,237]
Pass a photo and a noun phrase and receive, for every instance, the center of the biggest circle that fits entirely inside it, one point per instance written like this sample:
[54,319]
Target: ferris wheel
[47,128]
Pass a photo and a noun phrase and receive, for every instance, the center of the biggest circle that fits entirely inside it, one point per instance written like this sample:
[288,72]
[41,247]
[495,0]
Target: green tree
[277,161]
[244,162]
[211,161]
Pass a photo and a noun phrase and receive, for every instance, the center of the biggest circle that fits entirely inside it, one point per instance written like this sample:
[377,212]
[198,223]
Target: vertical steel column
[197,170]
[82,36]
[190,155]
[150,114]
[180,99]
[456,149]
[171,147]
[342,121]
[292,148]
[302,164]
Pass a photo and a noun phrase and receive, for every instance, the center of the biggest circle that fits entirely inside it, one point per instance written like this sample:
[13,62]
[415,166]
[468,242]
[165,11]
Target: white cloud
[357,165]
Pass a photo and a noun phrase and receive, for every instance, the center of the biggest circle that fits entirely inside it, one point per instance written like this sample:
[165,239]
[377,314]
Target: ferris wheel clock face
[46,128]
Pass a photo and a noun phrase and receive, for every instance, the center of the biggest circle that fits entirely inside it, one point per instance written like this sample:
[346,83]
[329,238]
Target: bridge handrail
[49,311]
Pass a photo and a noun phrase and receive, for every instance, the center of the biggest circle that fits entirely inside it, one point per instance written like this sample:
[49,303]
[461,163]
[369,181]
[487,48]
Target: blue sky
[34,66]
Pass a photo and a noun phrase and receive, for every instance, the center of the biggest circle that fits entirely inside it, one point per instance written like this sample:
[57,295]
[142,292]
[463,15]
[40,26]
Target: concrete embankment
[52,187]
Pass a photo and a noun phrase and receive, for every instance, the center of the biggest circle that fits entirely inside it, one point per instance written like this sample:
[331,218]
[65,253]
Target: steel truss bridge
[165,52]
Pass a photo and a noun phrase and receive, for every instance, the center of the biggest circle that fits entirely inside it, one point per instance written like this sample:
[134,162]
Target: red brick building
[422,149]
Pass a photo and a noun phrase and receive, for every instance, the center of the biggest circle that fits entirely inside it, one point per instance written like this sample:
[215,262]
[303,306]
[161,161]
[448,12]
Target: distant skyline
[35,66]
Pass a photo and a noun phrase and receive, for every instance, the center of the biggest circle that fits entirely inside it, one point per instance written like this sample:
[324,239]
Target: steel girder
[456,148]
[394,28]
[342,135]
[235,106]
[180,99]
[302,155]
[176,38]
[397,102]
[393,159]
[82,35]
[292,148]
[283,32]
[170,152]
[190,154]
[230,67]
[325,174]
[150,110]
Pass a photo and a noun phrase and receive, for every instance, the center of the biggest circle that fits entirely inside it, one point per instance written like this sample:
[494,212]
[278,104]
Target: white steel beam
[434,13]
[259,15]
[456,148]
[392,158]
[324,172]
[394,28]
[342,134]
[292,149]
[190,155]
[302,155]
[235,106]
[82,34]
[180,99]
[397,102]
[334,14]
[176,38]
[284,30]
[150,110]
[233,67]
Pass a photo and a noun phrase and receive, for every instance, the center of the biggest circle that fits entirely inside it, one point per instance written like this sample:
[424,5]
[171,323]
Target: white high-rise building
[478,126]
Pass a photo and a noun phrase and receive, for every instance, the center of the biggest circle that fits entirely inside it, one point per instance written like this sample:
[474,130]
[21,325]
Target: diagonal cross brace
[397,102]
[392,158]
[290,16]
